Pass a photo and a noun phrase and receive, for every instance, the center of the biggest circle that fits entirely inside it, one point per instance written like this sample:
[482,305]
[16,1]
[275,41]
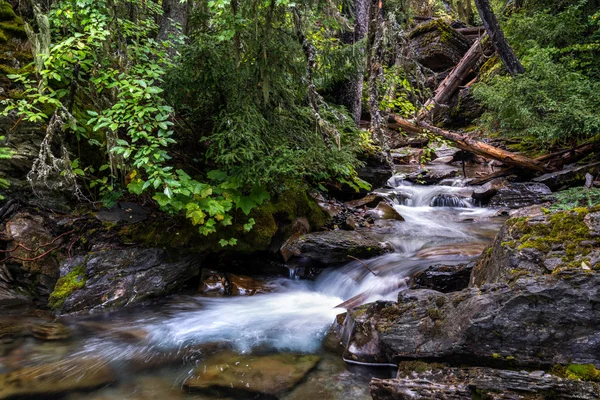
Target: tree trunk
[507,55]
[446,89]
[375,69]
[173,20]
[350,91]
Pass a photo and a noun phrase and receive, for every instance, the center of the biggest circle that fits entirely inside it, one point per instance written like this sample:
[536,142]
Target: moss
[6,11]
[66,285]
[565,229]
[408,367]
[434,313]
[3,37]
[582,372]
[13,29]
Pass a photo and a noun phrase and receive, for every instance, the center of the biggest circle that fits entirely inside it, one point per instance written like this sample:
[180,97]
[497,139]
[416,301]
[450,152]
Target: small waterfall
[449,200]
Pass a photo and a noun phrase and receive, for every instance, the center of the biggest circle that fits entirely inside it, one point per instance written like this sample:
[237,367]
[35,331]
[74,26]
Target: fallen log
[469,144]
[553,161]
[483,149]
[450,84]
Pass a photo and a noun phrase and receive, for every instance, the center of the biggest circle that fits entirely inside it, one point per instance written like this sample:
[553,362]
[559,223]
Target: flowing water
[155,349]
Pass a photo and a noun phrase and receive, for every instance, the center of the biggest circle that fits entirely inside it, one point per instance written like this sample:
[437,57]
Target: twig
[37,248]
[365,265]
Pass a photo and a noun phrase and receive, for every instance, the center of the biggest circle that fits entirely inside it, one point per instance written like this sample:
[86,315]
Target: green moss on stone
[565,229]
[66,285]
[582,372]
[13,29]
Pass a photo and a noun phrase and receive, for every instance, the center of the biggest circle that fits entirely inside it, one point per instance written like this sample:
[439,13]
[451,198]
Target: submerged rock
[270,375]
[220,283]
[63,376]
[536,320]
[384,211]
[119,278]
[486,383]
[334,247]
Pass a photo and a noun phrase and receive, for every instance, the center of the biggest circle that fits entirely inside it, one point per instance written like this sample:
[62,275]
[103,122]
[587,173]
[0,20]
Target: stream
[156,351]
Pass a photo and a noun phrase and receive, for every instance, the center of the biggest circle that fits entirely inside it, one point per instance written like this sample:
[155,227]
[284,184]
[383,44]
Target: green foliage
[250,100]
[550,102]
[558,97]
[575,197]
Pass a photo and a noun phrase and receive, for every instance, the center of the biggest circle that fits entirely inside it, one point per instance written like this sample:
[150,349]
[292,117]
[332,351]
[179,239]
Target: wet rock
[536,320]
[63,376]
[432,176]
[569,176]
[538,244]
[350,224]
[220,283]
[270,375]
[536,210]
[444,151]
[118,278]
[407,155]
[485,192]
[437,46]
[31,237]
[334,247]
[443,160]
[444,278]
[127,212]
[370,200]
[384,211]
[331,380]
[517,195]
[488,383]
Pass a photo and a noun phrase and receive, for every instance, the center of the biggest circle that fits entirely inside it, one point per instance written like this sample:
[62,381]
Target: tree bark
[350,91]
[173,20]
[446,89]
[505,52]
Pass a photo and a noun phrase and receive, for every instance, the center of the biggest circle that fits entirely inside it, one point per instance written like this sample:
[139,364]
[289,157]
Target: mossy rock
[66,285]
[273,224]
[6,12]
[581,372]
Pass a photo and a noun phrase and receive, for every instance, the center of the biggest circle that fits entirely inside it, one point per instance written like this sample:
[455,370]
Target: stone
[536,210]
[569,176]
[218,283]
[539,244]
[122,277]
[592,221]
[270,375]
[127,212]
[444,278]
[31,237]
[535,320]
[384,211]
[462,383]
[63,376]
[443,160]
[334,247]
[370,200]
[407,155]
[517,195]
[435,45]
[51,331]
[488,190]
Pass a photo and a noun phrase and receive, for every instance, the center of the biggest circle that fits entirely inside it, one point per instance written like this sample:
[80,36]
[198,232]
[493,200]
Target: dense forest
[209,108]
[192,192]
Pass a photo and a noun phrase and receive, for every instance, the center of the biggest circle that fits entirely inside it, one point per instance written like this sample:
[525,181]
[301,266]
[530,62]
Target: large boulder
[541,244]
[118,278]
[444,278]
[334,247]
[517,195]
[487,383]
[535,320]
[436,45]
[570,176]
